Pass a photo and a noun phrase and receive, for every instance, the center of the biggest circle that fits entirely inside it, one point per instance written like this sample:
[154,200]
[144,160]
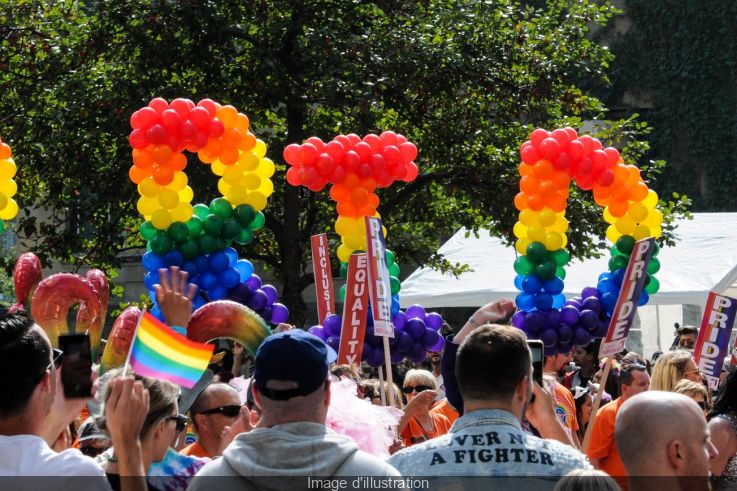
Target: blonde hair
[669,369]
[690,388]
[587,480]
[423,377]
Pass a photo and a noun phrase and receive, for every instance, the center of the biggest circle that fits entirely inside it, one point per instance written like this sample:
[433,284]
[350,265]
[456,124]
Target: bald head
[663,434]
[215,395]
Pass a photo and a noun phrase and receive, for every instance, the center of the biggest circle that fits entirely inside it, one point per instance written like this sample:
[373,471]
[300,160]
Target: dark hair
[24,356]
[727,399]
[492,361]
[625,373]
[681,330]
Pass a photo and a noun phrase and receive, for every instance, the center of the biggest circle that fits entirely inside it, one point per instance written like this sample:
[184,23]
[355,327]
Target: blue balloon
[150,280]
[543,301]
[531,284]
[173,258]
[232,256]
[229,278]
[605,276]
[608,286]
[644,298]
[518,281]
[219,262]
[395,307]
[554,286]
[152,261]
[245,269]
[217,293]
[203,264]
[156,312]
[198,302]
[608,301]
[152,296]
[618,277]
[191,268]
[208,281]
[525,301]
[559,301]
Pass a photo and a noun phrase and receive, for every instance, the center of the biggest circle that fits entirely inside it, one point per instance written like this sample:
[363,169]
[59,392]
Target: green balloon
[389,257]
[213,225]
[394,284]
[244,214]
[394,270]
[2,225]
[536,252]
[625,244]
[148,231]
[220,244]
[258,221]
[618,262]
[189,249]
[344,270]
[545,270]
[231,229]
[560,273]
[654,265]
[178,232]
[206,243]
[194,225]
[148,246]
[560,257]
[201,211]
[653,286]
[221,207]
[656,248]
[161,244]
[341,293]
[245,236]
[522,265]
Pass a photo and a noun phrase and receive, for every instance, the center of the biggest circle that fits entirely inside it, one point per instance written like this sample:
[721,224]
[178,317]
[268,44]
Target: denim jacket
[489,442]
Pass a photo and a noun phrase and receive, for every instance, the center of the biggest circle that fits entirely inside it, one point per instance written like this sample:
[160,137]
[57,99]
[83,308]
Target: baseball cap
[295,356]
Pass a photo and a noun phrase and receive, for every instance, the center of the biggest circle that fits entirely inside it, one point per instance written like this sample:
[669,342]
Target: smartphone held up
[76,365]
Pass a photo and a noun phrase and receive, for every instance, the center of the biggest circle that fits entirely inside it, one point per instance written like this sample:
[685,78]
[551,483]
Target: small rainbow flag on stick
[160,352]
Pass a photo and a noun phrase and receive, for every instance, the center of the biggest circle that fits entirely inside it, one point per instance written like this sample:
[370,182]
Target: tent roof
[704,258]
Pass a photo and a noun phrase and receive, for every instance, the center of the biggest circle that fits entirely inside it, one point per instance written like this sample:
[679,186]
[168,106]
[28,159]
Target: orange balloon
[639,191]
[621,174]
[232,137]
[548,187]
[562,179]
[525,169]
[163,175]
[339,193]
[557,202]
[618,208]
[247,142]
[137,174]
[5,152]
[205,157]
[177,162]
[359,196]
[347,209]
[535,202]
[242,123]
[634,173]
[142,158]
[520,201]
[620,193]
[351,180]
[543,168]
[161,154]
[529,184]
[213,147]
[228,155]
[369,184]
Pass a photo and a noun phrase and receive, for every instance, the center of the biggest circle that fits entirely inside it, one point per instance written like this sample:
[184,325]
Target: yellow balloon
[520,230]
[654,218]
[344,253]
[266,168]
[266,188]
[641,232]
[251,181]
[637,212]
[651,200]
[249,161]
[218,168]
[169,199]
[528,217]
[182,212]
[257,200]
[180,180]
[553,241]
[536,233]
[161,219]
[342,226]
[10,210]
[3,201]
[383,231]
[260,149]
[233,175]
[7,169]
[612,233]
[146,206]
[521,245]
[148,187]
[547,217]
[565,241]
[560,225]
[625,225]
[9,188]
[237,195]
[223,187]
[186,195]
[656,231]
[355,242]
[608,217]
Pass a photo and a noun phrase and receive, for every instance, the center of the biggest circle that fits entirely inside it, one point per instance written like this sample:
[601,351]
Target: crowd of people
[290,413]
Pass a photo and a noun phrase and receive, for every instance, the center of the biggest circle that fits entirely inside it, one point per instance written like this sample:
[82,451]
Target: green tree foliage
[465,80]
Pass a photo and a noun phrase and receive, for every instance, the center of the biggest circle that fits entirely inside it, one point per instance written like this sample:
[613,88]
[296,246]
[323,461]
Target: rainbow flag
[160,352]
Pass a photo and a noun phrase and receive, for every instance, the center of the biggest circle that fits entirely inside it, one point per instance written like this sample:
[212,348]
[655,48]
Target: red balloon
[412,172]
[200,117]
[135,120]
[597,144]
[537,136]
[606,178]
[351,161]
[170,120]
[599,160]
[138,139]
[365,171]
[530,155]
[389,138]
[307,175]
[345,141]
[384,179]
[174,143]
[363,150]
[585,167]
[210,105]
[549,148]
[562,137]
[338,175]
[576,150]
[391,154]
[354,138]
[159,105]
[156,134]
[585,182]
[374,142]
[308,153]
[588,144]
[147,117]
[293,176]
[572,134]
[401,139]
[563,162]
[215,128]
[182,107]
[317,143]
[335,149]
[188,130]
[325,164]
[291,154]
[612,156]
[523,146]
[377,163]
[200,140]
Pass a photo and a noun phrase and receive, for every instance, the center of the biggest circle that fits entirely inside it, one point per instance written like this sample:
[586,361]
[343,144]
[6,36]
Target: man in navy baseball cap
[292,388]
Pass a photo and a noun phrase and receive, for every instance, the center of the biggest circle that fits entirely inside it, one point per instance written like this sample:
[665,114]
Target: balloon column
[198,238]
[355,167]
[8,187]
[550,160]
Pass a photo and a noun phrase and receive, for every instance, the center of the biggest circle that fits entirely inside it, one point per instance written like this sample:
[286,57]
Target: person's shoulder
[414,454]
[216,467]
[363,463]
[565,454]
[71,462]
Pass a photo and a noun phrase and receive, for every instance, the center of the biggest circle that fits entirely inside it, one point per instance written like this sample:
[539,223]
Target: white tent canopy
[704,259]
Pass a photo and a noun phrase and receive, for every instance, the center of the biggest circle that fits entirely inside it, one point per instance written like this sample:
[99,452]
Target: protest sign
[355,311]
[325,294]
[713,341]
[378,274]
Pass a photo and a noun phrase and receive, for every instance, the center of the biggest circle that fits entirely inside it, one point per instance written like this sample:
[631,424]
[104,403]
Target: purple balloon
[433,320]
[240,293]
[569,315]
[366,352]
[591,303]
[333,342]
[552,318]
[416,350]
[564,347]
[258,300]
[418,358]
[581,337]
[534,322]
[266,313]
[332,324]
[601,329]
[405,342]
[439,345]
[376,359]
[550,350]
[430,338]
[279,313]
[254,282]
[588,320]
[318,331]
[415,311]
[415,328]
[396,357]
[399,320]
[549,337]
[518,319]
[590,291]
[565,333]
[271,293]
[574,303]
[371,338]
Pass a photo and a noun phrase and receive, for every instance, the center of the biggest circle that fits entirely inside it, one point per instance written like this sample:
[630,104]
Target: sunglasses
[230,411]
[55,362]
[418,388]
[181,421]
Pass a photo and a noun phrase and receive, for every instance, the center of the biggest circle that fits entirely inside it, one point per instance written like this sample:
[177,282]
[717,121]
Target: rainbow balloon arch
[550,160]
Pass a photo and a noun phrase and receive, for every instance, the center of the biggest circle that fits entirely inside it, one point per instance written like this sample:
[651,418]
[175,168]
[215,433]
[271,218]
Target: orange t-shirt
[195,450]
[443,407]
[565,406]
[414,433]
[602,444]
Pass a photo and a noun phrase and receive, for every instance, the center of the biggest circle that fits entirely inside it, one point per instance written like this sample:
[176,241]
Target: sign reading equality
[629,294]
[378,274]
[713,341]
[325,294]
[355,311]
